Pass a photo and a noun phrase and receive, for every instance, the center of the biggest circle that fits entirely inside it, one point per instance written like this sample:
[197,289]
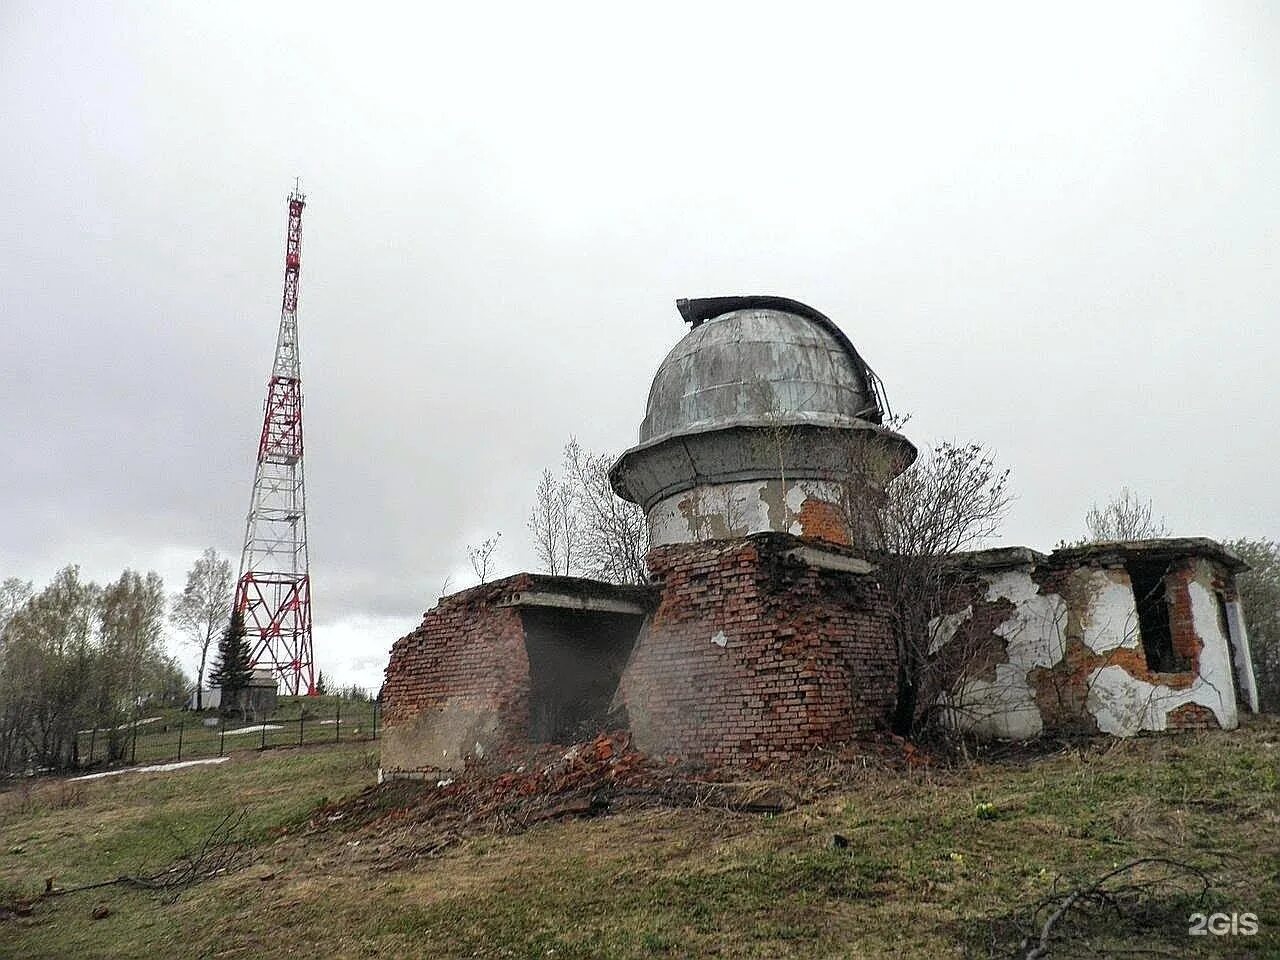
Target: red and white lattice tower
[274,590]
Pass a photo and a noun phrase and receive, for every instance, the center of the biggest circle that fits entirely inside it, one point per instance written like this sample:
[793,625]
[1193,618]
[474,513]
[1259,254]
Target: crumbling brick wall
[1071,655]
[1063,690]
[752,654]
[458,685]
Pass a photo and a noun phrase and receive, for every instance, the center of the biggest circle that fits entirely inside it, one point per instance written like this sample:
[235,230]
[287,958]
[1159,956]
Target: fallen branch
[1107,895]
[218,853]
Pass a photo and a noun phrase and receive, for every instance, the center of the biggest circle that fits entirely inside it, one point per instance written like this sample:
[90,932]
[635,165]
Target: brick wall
[461,679]
[752,655]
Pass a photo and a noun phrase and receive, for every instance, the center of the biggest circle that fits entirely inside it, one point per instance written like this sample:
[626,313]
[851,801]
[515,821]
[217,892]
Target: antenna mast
[274,589]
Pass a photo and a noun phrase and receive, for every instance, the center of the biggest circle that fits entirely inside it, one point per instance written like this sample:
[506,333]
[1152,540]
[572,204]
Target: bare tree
[1260,597]
[951,499]
[613,533]
[553,522]
[579,525]
[1124,517]
[52,670]
[778,434]
[201,609]
[77,655]
[482,557]
[131,648]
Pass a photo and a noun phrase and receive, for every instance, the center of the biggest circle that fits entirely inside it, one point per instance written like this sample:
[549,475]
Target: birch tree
[200,611]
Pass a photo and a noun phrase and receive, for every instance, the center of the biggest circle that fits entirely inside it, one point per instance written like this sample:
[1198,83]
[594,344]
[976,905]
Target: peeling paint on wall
[1108,617]
[1125,705]
[1006,705]
[724,511]
[1094,609]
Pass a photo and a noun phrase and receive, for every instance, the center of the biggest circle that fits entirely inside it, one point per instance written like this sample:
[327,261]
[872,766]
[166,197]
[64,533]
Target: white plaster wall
[1109,619]
[734,509]
[1124,705]
[1035,636]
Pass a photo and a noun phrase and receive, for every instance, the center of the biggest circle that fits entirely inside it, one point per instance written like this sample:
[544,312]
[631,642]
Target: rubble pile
[417,819]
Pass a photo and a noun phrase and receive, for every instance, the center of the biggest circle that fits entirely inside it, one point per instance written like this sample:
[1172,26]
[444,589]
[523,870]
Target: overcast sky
[1056,234]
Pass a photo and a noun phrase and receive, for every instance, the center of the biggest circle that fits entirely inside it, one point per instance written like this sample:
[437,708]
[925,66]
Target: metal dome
[758,361]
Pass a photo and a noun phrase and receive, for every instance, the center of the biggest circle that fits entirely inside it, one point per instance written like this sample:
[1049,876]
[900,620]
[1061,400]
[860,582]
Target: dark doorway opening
[1152,600]
[576,658]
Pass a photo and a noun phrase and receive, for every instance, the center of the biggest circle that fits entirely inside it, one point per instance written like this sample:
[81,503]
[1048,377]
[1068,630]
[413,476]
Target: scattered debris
[1135,893]
[589,779]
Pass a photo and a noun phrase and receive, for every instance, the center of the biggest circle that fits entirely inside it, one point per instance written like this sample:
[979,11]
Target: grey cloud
[1056,237]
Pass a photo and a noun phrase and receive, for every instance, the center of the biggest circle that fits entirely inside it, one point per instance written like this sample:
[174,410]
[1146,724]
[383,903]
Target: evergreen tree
[322,687]
[234,667]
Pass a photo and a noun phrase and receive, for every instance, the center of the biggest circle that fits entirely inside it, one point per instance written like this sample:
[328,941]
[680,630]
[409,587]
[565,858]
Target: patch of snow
[153,768]
[126,726]
[256,728]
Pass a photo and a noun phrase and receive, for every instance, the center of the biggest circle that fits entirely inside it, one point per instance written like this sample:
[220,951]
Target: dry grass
[32,796]
[925,873]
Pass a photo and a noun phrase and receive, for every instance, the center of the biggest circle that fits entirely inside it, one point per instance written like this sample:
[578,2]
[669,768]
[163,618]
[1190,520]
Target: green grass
[928,871]
[176,732]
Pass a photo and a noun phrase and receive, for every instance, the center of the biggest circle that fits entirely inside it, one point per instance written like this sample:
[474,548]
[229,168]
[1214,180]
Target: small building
[529,658]
[764,632]
[1119,638]
[257,701]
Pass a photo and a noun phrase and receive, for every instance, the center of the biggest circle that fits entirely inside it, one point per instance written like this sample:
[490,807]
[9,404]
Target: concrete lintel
[827,560]
[565,601]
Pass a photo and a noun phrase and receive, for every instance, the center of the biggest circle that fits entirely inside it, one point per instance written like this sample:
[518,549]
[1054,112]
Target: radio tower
[274,589]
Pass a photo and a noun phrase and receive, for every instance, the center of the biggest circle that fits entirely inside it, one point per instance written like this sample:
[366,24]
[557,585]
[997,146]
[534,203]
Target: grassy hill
[938,863]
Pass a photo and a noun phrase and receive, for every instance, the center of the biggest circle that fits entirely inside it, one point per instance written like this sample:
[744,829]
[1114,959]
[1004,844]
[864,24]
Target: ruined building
[764,631]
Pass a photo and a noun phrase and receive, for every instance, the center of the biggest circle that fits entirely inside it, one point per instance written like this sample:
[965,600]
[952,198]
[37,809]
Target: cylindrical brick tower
[761,449]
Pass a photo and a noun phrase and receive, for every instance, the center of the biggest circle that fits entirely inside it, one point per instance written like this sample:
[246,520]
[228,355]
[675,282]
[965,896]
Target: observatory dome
[762,418]
[758,361]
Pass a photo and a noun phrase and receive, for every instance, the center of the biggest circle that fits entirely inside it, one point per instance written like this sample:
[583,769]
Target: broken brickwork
[1117,638]
[757,653]
[459,680]
[765,634]
[490,669]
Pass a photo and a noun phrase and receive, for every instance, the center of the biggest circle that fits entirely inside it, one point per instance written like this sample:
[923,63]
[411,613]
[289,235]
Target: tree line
[78,655]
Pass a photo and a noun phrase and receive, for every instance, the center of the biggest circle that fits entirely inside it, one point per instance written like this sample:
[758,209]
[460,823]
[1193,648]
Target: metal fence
[193,736]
